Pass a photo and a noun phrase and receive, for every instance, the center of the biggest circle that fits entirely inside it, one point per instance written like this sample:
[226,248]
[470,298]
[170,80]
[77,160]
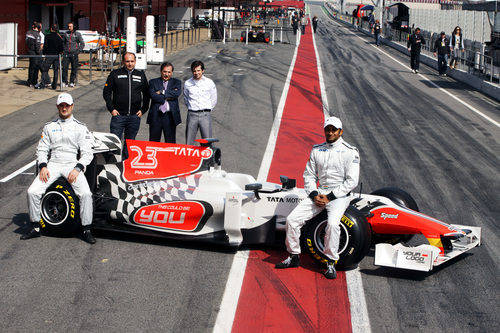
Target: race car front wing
[424,257]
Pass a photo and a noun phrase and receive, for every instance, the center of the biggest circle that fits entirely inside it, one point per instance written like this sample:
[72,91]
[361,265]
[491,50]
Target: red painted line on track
[297,299]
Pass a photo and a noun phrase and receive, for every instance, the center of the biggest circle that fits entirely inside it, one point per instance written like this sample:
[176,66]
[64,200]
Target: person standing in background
[53,47]
[164,114]
[303,23]
[456,46]
[441,47]
[126,93]
[200,97]
[315,23]
[73,45]
[414,45]
[33,41]
[377,29]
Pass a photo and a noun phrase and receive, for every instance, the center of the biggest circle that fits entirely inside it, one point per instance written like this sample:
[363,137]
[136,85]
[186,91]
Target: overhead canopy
[417,5]
[366,7]
[283,4]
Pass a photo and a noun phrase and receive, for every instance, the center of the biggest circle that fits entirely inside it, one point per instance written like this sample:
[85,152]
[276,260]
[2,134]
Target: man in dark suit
[164,114]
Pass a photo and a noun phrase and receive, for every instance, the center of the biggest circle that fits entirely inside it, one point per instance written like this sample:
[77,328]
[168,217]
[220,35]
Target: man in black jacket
[53,46]
[442,49]
[414,45]
[126,93]
[33,41]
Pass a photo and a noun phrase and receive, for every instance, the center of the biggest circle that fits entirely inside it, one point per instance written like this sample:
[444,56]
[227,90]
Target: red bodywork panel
[180,215]
[158,160]
[390,220]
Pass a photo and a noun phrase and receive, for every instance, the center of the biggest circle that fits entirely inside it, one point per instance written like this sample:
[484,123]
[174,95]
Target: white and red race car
[181,192]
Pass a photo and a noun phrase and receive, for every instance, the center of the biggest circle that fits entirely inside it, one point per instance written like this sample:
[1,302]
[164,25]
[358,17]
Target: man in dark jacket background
[442,49]
[126,93]
[414,45]
[73,45]
[33,41]
[53,46]
[164,115]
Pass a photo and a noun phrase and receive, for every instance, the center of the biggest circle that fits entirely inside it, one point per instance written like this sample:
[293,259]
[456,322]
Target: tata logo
[389,216]
[191,152]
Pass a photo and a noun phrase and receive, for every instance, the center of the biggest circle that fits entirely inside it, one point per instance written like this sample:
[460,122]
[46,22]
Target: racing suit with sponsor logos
[62,140]
[335,166]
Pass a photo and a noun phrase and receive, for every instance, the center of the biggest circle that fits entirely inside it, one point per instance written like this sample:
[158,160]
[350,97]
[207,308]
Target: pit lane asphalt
[408,133]
[413,136]
[126,283]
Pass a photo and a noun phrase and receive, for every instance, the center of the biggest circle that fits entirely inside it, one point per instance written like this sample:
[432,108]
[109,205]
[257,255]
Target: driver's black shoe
[87,236]
[330,273]
[293,260]
[30,234]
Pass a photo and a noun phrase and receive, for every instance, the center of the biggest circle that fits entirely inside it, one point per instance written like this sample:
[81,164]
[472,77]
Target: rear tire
[354,242]
[400,198]
[60,209]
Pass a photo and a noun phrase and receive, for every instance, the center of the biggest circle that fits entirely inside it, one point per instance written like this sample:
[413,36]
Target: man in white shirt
[200,97]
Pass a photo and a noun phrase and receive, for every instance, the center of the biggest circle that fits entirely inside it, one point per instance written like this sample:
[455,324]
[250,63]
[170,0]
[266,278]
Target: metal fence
[278,29]
[106,58]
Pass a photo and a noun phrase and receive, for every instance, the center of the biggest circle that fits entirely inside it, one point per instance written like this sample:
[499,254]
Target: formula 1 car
[256,34]
[181,192]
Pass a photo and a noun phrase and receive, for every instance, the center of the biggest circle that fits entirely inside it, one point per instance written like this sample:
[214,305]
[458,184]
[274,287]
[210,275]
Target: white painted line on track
[271,143]
[360,321]
[467,105]
[17,172]
[324,98]
[229,303]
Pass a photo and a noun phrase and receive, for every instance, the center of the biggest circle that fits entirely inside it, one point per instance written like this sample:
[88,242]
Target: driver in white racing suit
[62,139]
[335,165]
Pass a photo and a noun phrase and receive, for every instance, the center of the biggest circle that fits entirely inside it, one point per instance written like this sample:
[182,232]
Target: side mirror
[255,187]
[288,183]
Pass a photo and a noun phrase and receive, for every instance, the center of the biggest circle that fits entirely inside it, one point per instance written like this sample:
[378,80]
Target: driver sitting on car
[62,139]
[335,165]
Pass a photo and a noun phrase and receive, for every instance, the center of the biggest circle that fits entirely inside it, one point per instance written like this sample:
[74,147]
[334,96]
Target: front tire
[400,198]
[354,242]
[60,209]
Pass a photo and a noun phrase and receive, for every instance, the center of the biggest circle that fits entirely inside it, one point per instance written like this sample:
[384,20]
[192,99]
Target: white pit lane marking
[360,321]
[18,172]
[229,303]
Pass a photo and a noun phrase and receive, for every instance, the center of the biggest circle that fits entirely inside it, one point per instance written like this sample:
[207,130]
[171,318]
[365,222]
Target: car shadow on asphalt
[406,274]
[22,221]
[147,239]
[274,254]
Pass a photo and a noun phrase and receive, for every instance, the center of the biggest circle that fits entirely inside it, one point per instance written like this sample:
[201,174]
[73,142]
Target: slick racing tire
[60,209]
[354,243]
[400,198]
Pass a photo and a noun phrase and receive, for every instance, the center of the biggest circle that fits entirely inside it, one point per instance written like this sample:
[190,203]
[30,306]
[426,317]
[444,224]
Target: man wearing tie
[164,114]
